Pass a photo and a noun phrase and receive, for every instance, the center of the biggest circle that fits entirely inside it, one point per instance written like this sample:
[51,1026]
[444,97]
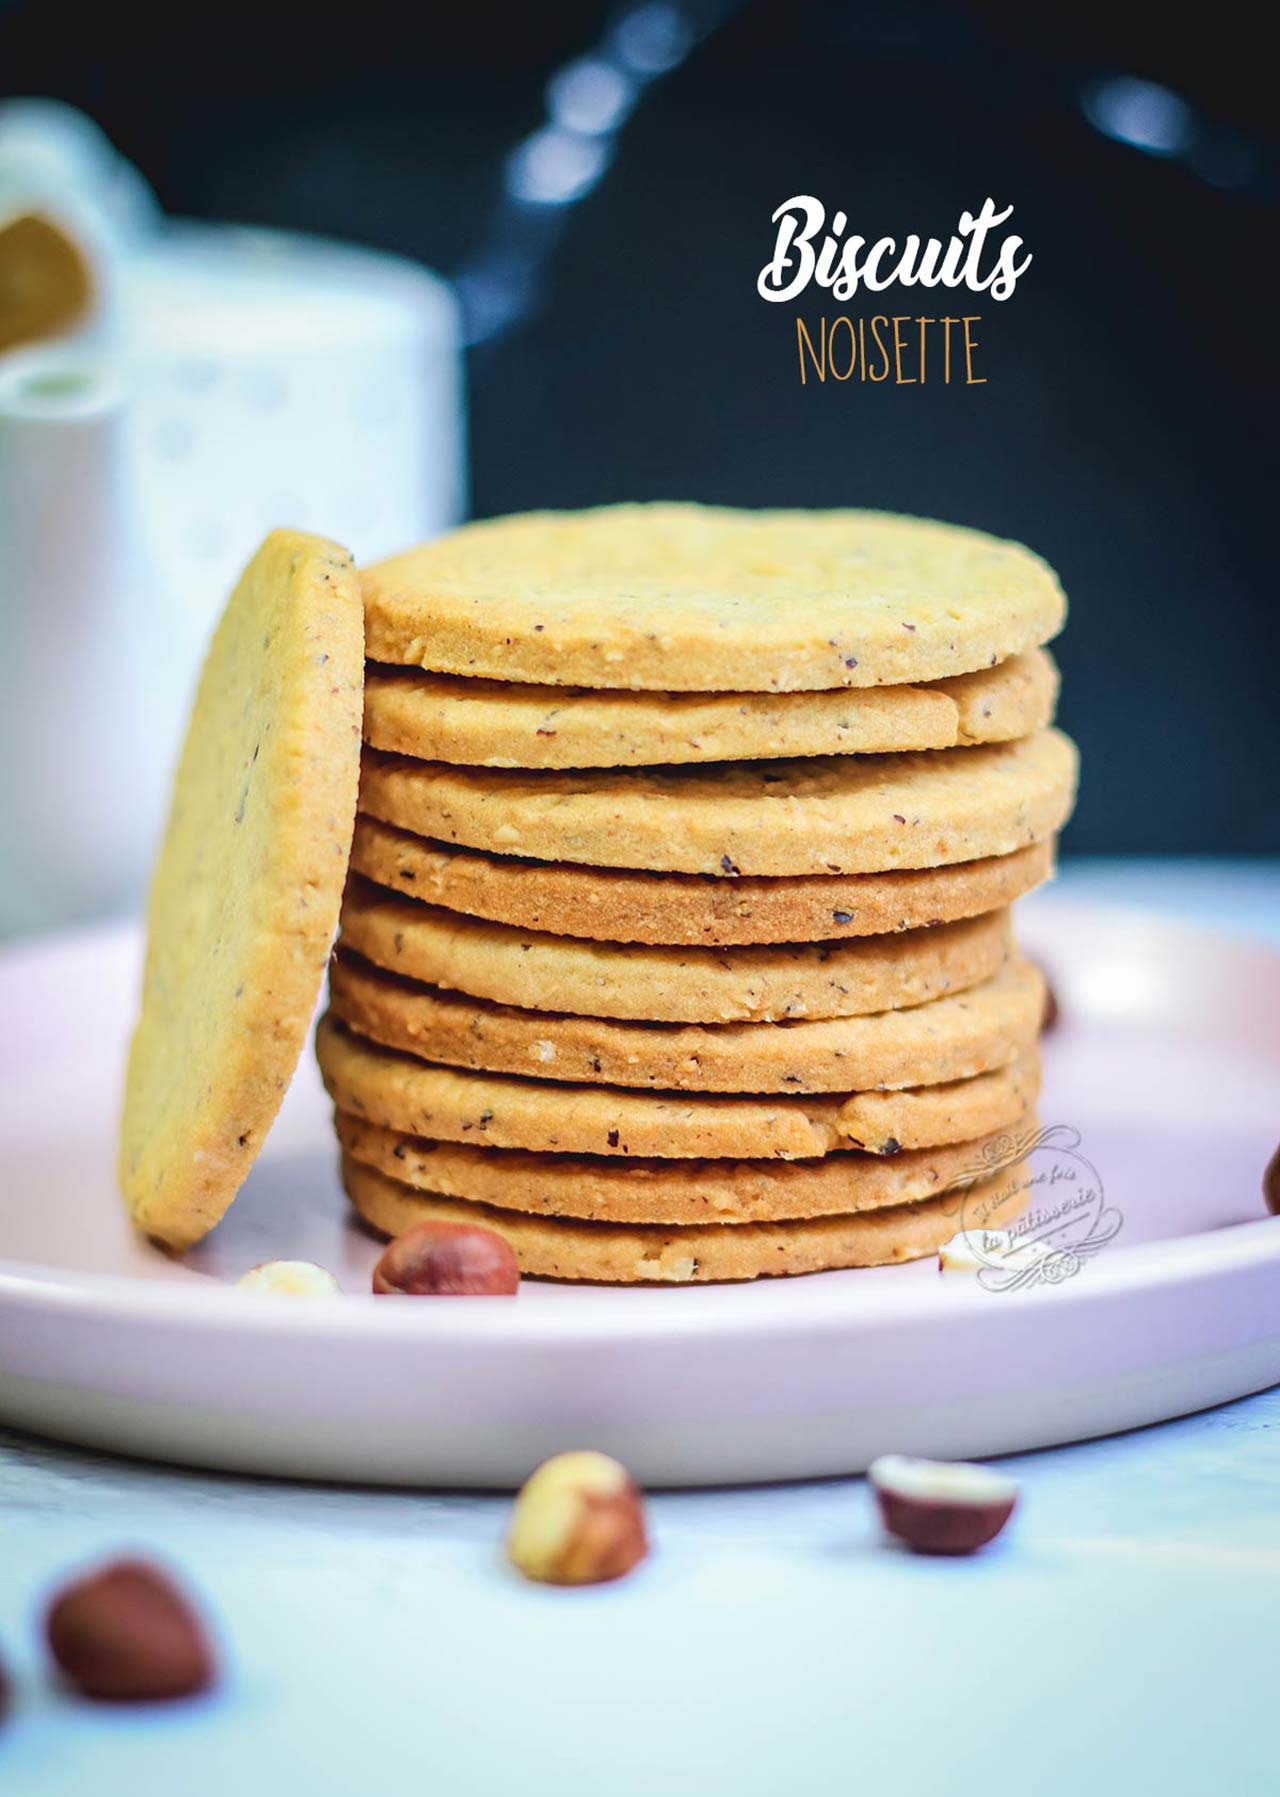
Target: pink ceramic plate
[1166,1066]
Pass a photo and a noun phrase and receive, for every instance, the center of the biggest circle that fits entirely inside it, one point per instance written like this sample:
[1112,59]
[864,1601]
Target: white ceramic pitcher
[87,716]
[247,380]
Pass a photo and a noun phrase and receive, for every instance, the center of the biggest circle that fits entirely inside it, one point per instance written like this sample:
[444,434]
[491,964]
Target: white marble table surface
[1122,1638]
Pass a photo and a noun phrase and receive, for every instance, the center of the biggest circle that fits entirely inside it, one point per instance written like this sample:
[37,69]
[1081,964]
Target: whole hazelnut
[939,1506]
[1050,1015]
[579,1520]
[1271,1185]
[289,1279]
[127,1634]
[448,1260]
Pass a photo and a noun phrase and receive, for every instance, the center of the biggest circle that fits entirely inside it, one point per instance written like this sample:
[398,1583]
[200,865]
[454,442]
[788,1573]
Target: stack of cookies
[676,944]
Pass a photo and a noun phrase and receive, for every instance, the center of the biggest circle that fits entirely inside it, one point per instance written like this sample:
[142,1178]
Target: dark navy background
[1127,422]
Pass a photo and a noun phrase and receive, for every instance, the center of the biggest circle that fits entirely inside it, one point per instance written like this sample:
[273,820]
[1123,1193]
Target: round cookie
[244,900]
[551,1248]
[695,598]
[828,815]
[951,1038]
[669,985]
[486,723]
[610,904]
[593,1189]
[505,1111]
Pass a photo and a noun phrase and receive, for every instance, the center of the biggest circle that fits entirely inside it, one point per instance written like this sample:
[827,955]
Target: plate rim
[114,1298]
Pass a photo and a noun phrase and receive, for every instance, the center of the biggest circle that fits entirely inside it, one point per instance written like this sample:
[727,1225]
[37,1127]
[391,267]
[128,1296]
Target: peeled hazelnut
[1271,1185]
[127,1634]
[579,1520]
[941,1507]
[448,1260]
[289,1279]
[976,1250]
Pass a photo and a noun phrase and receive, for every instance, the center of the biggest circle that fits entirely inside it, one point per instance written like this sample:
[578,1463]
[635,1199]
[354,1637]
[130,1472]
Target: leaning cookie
[555,1248]
[246,890]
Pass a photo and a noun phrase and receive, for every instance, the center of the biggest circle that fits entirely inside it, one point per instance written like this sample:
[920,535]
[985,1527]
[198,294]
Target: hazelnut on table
[126,1633]
[578,1520]
[939,1506]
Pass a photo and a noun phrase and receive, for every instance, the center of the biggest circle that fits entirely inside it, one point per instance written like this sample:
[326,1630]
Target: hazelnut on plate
[289,1279]
[976,1250]
[1271,1185]
[940,1506]
[579,1520]
[448,1260]
[126,1634]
